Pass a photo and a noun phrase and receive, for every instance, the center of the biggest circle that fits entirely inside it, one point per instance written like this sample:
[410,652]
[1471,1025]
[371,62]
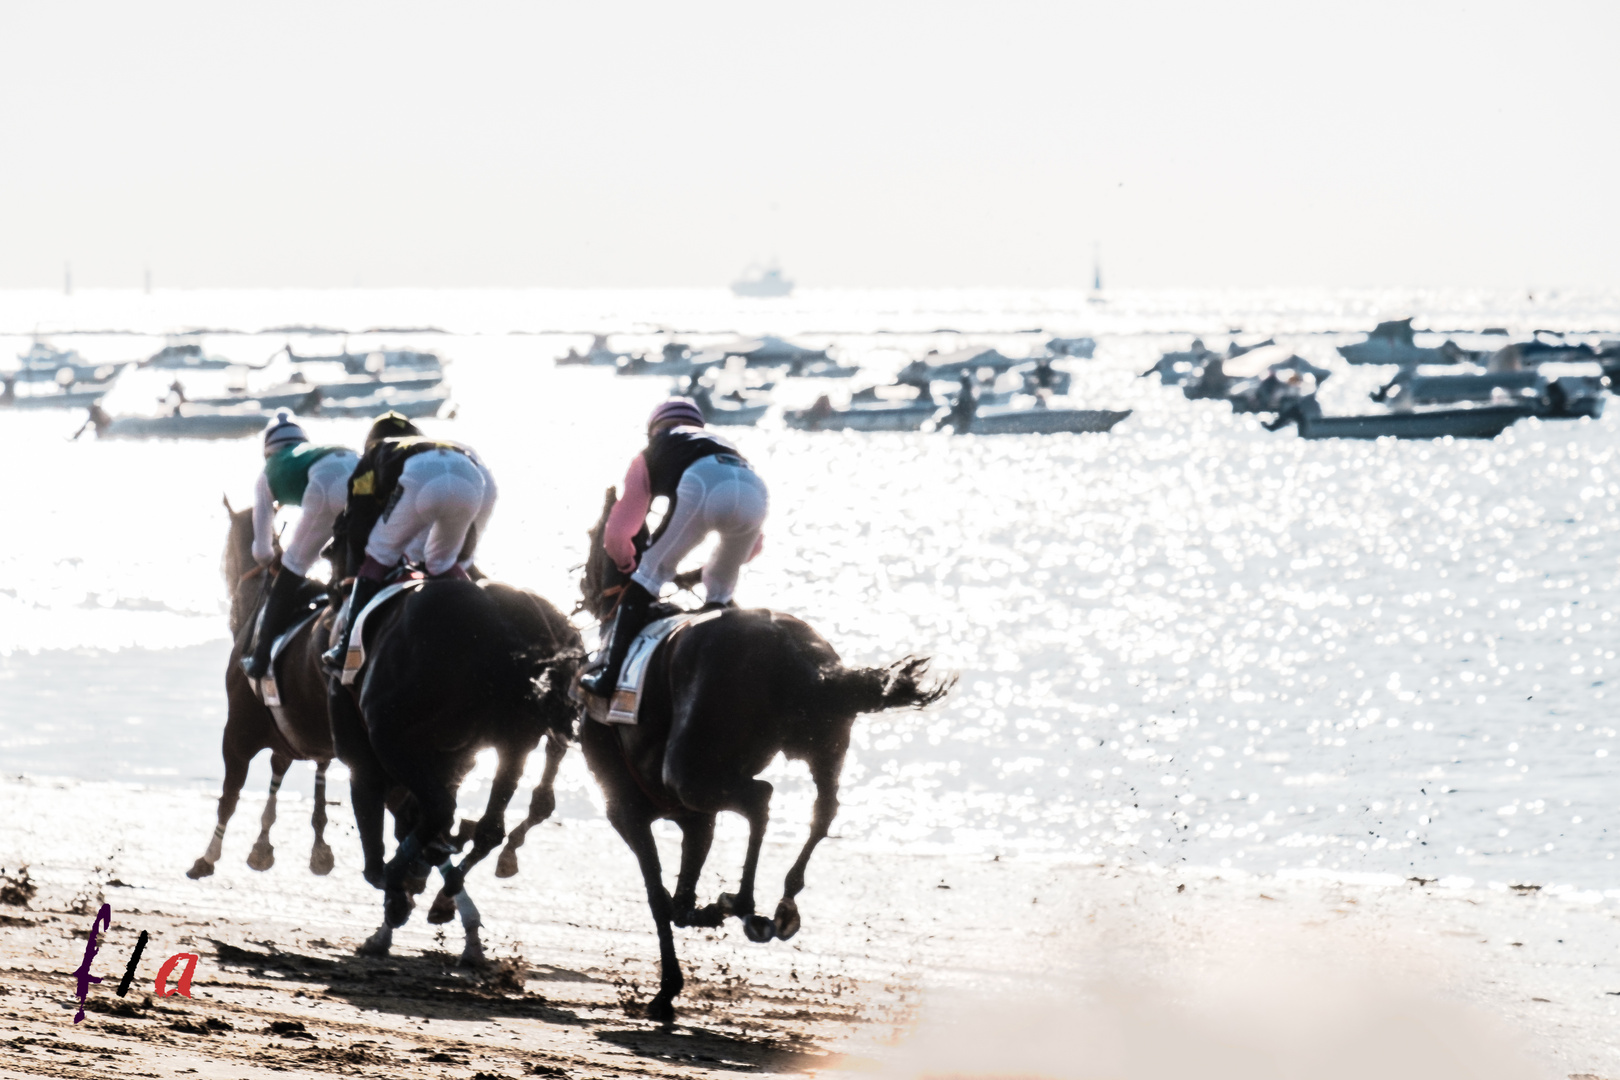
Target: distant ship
[762,281]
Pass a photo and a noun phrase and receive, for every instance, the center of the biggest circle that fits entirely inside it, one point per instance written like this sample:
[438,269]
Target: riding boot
[279,608]
[359,596]
[633,605]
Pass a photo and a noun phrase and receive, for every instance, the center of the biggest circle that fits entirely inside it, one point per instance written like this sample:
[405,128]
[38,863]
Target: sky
[870,144]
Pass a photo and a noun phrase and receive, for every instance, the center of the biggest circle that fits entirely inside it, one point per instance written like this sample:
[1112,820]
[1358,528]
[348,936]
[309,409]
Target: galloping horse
[453,667]
[719,701]
[304,733]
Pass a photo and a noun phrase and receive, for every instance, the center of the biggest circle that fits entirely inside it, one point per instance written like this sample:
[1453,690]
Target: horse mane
[238,560]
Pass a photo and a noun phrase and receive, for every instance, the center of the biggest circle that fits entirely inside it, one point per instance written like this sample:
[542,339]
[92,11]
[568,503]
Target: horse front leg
[541,806]
[320,856]
[826,780]
[263,855]
[237,761]
[636,829]
[368,782]
[491,828]
[753,801]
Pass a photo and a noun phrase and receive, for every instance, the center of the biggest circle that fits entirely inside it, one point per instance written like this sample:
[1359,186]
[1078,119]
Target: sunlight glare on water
[1185,641]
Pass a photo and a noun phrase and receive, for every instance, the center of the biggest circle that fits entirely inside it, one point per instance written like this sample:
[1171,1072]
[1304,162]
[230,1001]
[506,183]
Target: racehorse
[719,701]
[453,667]
[250,726]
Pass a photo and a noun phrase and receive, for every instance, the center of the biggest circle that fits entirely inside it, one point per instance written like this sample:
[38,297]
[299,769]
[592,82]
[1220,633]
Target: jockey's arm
[264,521]
[629,514]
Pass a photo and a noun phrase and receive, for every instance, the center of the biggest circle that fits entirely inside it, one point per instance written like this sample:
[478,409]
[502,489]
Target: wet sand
[899,955]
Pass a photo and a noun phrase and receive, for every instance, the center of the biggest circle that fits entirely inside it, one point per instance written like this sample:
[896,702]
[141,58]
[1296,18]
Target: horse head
[599,588]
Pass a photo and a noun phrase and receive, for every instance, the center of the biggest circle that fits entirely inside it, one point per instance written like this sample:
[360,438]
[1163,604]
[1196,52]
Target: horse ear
[227,500]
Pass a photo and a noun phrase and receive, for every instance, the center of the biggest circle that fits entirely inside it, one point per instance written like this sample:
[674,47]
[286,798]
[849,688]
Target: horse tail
[904,684]
[547,678]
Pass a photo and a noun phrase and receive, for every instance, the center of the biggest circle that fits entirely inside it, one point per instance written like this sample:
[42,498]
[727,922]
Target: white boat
[765,281]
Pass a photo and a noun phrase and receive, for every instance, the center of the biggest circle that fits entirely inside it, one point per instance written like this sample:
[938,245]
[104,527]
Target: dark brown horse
[453,667]
[302,732]
[719,701]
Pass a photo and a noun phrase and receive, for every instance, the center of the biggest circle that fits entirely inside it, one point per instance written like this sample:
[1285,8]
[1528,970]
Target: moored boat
[881,416]
[186,356]
[186,422]
[1011,420]
[1486,422]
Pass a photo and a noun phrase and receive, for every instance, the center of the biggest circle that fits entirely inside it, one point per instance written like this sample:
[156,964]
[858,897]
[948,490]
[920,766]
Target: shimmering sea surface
[1185,642]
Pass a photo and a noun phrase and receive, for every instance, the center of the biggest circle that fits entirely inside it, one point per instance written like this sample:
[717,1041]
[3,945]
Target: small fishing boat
[413,406]
[941,367]
[187,421]
[1393,343]
[375,362]
[878,416]
[44,363]
[723,414]
[186,356]
[57,399]
[598,355]
[770,352]
[1485,422]
[1081,348]
[1011,420]
[674,360]
[757,282]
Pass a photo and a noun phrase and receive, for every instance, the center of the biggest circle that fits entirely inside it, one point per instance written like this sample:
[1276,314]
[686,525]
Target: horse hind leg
[753,801]
[697,835]
[320,856]
[787,911]
[263,855]
[236,771]
[541,806]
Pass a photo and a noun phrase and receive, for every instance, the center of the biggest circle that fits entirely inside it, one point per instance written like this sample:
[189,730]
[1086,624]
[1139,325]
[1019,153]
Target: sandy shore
[907,965]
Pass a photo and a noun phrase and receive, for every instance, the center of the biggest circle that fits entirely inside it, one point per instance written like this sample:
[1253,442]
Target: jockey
[411,496]
[711,488]
[296,473]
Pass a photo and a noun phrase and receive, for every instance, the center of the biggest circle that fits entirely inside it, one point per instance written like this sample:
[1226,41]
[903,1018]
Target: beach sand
[907,965]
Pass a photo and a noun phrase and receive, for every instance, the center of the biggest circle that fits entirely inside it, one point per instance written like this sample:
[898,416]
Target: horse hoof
[443,909]
[262,857]
[660,1010]
[377,944]
[375,874]
[320,860]
[709,916]
[759,928]
[732,904]
[200,869]
[397,908]
[507,865]
[472,956]
[787,919]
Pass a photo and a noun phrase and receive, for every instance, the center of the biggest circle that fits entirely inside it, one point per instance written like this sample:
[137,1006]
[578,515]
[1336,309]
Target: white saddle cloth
[625,705]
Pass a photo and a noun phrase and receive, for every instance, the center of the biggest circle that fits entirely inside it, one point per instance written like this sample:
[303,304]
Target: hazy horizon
[926,146]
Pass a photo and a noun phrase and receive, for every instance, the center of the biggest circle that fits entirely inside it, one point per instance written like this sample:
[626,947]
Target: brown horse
[302,733]
[719,701]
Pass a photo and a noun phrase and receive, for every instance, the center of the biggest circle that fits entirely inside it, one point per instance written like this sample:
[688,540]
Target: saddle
[624,707]
[355,658]
[268,690]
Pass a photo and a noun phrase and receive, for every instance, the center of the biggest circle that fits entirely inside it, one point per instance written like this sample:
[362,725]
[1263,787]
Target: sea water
[1188,642]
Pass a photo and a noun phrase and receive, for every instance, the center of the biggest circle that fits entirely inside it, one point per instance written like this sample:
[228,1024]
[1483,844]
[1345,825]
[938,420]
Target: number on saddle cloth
[624,707]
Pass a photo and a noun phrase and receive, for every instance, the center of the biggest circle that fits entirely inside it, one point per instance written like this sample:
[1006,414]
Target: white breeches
[712,497]
[416,550]
[440,495]
[325,496]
